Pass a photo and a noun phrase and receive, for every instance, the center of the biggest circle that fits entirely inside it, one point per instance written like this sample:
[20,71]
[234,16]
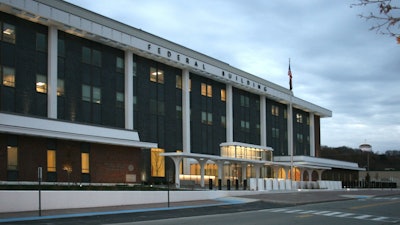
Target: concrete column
[257,170]
[52,76]
[312,135]
[310,174]
[202,163]
[244,171]
[177,161]
[229,113]
[320,174]
[263,120]
[186,118]
[128,77]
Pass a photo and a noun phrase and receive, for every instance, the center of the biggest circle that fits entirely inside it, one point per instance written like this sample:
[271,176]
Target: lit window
[275,110]
[157,163]
[60,87]
[299,118]
[120,99]
[206,90]
[223,95]
[178,81]
[85,162]
[12,158]
[51,160]
[156,75]
[120,64]
[41,83]
[86,96]
[8,77]
[203,89]
[8,33]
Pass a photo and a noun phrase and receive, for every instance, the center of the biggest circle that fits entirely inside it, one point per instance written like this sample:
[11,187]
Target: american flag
[290,77]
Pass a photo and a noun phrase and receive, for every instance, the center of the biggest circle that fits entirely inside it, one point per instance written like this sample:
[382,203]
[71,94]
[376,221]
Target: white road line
[345,215]
[363,217]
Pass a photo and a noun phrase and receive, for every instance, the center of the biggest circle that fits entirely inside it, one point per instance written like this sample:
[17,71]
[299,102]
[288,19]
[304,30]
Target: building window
[275,132]
[51,160]
[275,110]
[300,138]
[119,97]
[223,121]
[244,101]
[91,56]
[91,94]
[308,120]
[41,83]
[206,90]
[178,81]
[12,158]
[206,118]
[85,162]
[245,125]
[8,76]
[157,162]
[156,75]
[8,33]
[60,87]
[134,68]
[120,65]
[285,113]
[157,107]
[299,118]
[41,42]
[86,96]
[61,47]
[178,112]
[223,95]
[86,55]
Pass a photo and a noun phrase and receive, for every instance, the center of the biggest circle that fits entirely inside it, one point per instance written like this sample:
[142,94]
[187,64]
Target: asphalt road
[322,207]
[363,211]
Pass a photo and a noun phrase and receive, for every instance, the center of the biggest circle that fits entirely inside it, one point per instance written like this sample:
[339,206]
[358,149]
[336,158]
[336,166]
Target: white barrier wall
[18,201]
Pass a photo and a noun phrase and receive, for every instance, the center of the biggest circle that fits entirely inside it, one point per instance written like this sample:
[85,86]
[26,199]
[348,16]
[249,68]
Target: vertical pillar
[220,164]
[52,75]
[229,113]
[263,120]
[320,174]
[177,161]
[312,135]
[186,118]
[257,170]
[202,163]
[128,90]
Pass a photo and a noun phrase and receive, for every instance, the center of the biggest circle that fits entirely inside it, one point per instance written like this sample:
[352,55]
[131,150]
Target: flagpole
[290,131]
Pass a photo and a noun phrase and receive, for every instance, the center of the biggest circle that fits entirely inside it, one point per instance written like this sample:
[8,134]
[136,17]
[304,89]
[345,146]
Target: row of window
[12,161]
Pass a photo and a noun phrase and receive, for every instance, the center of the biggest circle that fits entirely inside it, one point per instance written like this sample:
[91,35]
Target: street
[381,210]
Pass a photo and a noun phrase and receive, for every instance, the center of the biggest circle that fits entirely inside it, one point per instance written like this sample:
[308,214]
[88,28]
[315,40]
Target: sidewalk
[286,197]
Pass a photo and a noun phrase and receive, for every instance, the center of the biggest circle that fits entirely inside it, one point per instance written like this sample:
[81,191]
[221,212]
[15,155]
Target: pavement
[254,200]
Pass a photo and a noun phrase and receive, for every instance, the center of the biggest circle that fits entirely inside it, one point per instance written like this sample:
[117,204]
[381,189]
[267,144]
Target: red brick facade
[108,163]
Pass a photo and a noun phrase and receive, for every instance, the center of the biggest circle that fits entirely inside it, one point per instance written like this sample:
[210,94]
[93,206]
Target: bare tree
[386,16]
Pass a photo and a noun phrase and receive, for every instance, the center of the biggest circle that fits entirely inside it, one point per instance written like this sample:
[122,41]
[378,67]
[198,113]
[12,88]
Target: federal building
[92,100]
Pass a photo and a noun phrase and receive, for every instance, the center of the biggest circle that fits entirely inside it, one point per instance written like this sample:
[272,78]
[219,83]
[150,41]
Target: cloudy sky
[336,61]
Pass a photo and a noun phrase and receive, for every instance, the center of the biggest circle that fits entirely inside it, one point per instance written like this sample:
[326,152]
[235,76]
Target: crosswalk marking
[334,214]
